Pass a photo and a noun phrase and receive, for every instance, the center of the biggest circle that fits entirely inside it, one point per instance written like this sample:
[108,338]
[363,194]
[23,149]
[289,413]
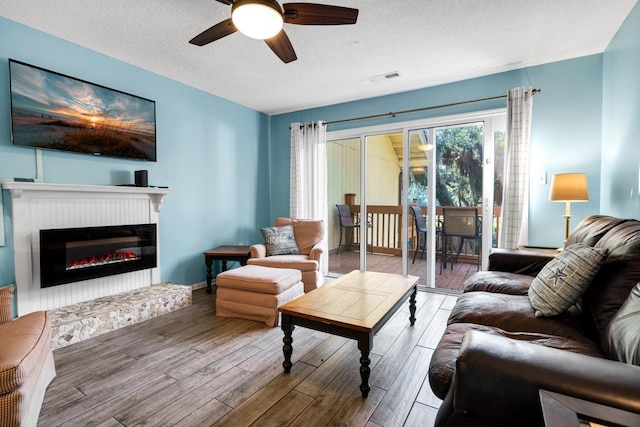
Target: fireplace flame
[98,260]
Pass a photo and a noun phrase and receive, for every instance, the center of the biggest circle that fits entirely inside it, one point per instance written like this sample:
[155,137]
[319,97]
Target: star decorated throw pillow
[564,279]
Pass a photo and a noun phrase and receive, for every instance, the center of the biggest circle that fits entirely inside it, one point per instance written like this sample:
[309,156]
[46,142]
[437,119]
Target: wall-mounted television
[53,111]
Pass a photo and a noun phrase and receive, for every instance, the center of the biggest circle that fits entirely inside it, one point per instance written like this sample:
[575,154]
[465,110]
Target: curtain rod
[395,113]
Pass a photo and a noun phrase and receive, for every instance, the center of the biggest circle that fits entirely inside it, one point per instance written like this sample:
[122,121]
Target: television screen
[53,111]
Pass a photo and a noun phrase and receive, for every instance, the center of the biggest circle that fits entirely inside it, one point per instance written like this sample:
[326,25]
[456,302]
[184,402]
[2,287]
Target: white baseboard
[200,285]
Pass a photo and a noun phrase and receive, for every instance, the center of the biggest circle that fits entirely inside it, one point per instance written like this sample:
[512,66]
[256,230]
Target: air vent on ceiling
[385,76]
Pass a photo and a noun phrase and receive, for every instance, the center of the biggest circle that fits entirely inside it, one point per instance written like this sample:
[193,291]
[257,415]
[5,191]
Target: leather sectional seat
[496,355]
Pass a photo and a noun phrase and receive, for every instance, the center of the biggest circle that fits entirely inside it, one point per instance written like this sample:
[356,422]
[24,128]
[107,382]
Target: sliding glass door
[383,189]
[455,167]
[395,179]
[364,177]
[343,189]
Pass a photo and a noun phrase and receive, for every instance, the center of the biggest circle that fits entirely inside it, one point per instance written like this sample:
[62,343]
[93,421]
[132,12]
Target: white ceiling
[429,42]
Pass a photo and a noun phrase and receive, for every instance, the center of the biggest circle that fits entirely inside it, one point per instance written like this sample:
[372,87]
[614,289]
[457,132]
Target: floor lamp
[568,187]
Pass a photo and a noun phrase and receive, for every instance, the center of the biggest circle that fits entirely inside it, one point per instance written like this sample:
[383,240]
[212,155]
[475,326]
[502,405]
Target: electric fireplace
[74,254]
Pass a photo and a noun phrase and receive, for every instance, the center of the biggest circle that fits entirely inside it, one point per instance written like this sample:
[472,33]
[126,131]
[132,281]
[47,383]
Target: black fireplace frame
[56,244]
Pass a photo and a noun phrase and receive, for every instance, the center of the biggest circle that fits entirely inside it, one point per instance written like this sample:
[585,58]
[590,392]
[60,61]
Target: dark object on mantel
[141,178]
[495,355]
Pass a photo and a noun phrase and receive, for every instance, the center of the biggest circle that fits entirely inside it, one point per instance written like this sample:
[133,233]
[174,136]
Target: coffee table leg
[208,261]
[287,348]
[364,345]
[412,306]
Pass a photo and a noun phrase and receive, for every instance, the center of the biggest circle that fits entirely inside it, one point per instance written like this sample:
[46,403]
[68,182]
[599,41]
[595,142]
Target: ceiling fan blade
[281,46]
[218,31]
[227,2]
[318,14]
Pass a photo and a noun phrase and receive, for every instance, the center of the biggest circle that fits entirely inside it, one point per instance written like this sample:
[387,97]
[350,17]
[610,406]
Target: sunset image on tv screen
[53,111]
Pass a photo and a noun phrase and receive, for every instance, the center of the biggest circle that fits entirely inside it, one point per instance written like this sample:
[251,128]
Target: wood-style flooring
[191,368]
[451,278]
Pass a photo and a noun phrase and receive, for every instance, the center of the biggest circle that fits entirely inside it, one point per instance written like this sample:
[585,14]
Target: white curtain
[515,203]
[308,179]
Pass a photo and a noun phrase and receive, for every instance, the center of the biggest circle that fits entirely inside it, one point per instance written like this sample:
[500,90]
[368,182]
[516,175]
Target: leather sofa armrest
[316,252]
[521,261]
[258,250]
[497,379]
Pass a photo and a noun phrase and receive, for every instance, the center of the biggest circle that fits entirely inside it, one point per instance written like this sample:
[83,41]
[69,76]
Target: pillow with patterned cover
[563,280]
[280,240]
[6,304]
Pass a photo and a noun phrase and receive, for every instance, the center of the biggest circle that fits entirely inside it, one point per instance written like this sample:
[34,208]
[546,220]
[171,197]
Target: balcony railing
[384,235]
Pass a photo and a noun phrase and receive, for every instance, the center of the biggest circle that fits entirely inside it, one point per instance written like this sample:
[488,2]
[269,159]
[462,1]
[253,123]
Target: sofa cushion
[617,277]
[591,229]
[308,232]
[499,282]
[299,262]
[443,361]
[6,304]
[622,338]
[280,240]
[564,279]
[514,313]
[26,341]
[521,261]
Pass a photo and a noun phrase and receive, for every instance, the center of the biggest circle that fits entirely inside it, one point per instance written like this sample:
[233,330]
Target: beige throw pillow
[563,280]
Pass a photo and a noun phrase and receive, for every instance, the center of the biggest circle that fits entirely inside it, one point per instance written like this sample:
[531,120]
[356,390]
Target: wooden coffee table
[224,253]
[356,306]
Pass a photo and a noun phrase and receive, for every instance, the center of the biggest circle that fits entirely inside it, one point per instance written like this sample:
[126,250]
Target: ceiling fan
[263,19]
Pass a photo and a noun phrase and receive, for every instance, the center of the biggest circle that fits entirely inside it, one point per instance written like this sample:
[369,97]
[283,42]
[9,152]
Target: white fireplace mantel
[18,189]
[40,206]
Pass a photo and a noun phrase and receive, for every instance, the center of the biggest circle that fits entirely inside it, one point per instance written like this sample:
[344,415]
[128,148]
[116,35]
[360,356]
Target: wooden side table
[559,410]
[224,253]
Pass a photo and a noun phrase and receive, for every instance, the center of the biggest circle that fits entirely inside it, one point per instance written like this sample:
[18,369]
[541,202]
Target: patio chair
[463,223]
[347,223]
[421,230]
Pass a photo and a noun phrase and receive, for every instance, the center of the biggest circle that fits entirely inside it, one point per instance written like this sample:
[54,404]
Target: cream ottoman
[254,292]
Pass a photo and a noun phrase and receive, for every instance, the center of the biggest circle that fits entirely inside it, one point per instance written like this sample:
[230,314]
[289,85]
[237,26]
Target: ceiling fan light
[257,19]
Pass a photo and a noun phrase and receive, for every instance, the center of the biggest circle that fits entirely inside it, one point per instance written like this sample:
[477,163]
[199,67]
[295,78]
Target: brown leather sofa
[495,355]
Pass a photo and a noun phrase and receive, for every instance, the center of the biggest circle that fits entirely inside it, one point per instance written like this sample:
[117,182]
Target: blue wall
[210,152]
[620,185]
[566,130]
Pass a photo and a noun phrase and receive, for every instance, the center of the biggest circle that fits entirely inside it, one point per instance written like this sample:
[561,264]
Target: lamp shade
[258,19]
[569,187]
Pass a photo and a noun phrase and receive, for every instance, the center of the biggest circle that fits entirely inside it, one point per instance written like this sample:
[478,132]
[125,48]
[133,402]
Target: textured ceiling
[429,42]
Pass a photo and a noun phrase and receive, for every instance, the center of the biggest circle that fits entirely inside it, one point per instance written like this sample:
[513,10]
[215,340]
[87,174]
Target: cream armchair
[26,363]
[308,236]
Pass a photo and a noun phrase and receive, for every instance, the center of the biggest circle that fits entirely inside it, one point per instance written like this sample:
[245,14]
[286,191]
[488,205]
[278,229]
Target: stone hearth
[77,322]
